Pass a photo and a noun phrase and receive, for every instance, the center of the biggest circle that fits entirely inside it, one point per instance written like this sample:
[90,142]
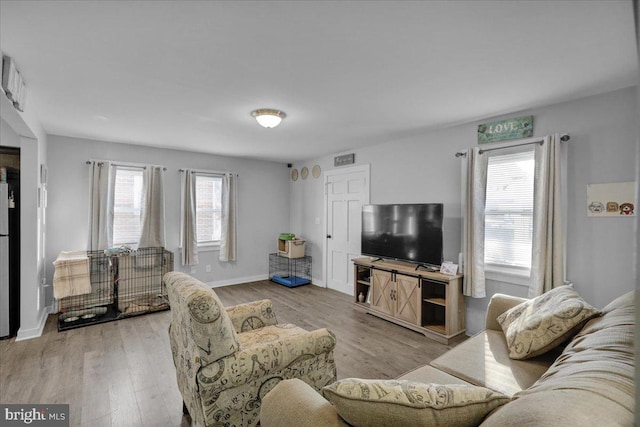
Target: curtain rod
[564,137]
[204,171]
[135,165]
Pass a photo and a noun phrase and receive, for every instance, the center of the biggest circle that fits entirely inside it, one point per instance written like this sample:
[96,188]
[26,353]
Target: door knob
[328,236]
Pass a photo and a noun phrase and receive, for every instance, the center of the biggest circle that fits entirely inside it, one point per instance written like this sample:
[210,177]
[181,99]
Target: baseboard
[318,282]
[241,280]
[237,281]
[347,289]
[27,334]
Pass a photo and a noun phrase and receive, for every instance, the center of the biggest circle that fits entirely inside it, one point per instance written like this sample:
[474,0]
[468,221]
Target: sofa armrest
[499,304]
[252,315]
[262,360]
[294,403]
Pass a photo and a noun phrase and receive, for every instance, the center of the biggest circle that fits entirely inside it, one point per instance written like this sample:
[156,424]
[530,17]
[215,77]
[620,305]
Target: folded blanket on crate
[71,276]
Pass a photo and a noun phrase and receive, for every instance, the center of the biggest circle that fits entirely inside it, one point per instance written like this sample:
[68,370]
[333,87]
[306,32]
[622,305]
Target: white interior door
[347,190]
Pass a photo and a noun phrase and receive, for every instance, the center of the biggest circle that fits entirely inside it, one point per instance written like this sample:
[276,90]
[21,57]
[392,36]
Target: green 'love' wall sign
[504,130]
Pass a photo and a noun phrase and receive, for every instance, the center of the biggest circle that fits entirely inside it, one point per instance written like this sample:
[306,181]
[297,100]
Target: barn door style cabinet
[427,302]
[396,295]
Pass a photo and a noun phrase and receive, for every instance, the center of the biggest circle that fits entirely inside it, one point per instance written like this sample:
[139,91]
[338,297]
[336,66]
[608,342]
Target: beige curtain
[152,230]
[103,180]
[548,252]
[229,218]
[474,180]
[188,238]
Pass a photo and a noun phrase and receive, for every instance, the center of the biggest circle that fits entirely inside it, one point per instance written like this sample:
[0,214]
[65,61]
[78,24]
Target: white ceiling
[187,74]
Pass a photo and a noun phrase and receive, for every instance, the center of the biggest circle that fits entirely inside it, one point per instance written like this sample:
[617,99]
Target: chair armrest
[499,304]
[294,403]
[259,361]
[252,315]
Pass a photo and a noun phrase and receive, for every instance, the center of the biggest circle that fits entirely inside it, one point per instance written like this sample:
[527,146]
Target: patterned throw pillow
[373,403]
[542,323]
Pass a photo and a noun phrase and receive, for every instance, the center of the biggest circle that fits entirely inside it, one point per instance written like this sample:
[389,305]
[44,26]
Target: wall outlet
[193,270]
[208,269]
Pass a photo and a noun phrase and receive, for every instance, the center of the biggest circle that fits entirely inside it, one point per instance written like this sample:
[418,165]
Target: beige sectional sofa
[587,382]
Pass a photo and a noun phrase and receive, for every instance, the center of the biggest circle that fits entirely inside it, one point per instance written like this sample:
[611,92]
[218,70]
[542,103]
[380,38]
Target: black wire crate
[123,284]
[290,272]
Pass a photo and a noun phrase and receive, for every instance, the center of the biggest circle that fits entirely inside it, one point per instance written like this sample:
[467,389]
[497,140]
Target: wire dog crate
[122,285]
[290,272]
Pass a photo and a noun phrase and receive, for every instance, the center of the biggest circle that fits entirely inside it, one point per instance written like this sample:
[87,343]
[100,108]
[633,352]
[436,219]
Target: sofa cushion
[598,363]
[370,403]
[565,408]
[269,334]
[542,323]
[429,374]
[294,403]
[483,360]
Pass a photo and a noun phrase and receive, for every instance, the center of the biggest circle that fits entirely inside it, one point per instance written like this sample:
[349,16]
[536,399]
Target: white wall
[422,168]
[8,137]
[263,200]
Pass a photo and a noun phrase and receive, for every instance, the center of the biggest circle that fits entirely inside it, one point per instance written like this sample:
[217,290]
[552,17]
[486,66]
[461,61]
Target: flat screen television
[407,232]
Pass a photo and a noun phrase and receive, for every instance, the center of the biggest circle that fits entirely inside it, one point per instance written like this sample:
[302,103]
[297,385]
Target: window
[509,211]
[208,208]
[127,203]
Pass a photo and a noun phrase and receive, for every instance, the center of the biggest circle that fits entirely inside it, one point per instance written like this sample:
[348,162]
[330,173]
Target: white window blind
[127,203]
[509,210]
[208,208]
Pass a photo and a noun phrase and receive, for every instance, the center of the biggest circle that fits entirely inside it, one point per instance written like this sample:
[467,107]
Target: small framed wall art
[611,199]
[449,268]
[505,130]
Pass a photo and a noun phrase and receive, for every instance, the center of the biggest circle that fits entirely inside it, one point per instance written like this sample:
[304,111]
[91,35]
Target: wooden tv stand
[427,302]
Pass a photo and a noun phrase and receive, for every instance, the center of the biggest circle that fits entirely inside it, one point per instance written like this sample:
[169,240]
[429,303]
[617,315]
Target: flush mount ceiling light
[268,117]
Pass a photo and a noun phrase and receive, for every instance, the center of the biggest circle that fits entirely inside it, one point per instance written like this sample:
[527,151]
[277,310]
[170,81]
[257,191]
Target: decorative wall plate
[304,172]
[315,171]
[294,174]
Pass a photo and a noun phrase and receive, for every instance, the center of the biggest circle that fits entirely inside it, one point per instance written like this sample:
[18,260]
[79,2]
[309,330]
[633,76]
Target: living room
[410,164]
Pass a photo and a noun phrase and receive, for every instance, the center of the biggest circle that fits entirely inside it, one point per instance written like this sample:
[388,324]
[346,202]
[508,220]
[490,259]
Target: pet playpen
[123,284]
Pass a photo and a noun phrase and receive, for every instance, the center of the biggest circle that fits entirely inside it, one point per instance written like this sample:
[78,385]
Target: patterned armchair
[228,359]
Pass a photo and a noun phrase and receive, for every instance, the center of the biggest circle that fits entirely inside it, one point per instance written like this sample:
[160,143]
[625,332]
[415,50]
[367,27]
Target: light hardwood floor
[121,373]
